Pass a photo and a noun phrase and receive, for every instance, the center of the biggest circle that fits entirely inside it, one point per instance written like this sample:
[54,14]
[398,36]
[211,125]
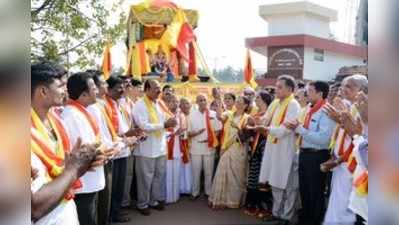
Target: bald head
[216,93]
[185,105]
[173,103]
[201,102]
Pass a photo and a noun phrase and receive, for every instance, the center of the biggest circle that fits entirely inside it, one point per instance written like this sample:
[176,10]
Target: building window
[318,55]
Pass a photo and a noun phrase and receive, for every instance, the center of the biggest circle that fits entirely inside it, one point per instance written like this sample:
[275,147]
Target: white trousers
[202,163]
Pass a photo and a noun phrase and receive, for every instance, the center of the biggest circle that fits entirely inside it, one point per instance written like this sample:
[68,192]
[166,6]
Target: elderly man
[177,154]
[186,176]
[342,143]
[358,130]
[250,93]
[151,153]
[202,127]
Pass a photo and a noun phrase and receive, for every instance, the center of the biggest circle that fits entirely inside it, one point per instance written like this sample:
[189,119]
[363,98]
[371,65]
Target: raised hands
[80,158]
[332,112]
[196,133]
[351,125]
[171,122]
[362,105]
[292,125]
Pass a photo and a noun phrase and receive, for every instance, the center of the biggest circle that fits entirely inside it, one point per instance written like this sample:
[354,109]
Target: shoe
[262,214]
[121,219]
[160,206]
[145,211]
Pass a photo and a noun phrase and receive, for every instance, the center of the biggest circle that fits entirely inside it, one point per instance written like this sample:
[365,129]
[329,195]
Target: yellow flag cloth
[153,115]
[277,120]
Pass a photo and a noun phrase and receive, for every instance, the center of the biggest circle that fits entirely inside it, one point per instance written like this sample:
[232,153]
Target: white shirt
[77,126]
[96,112]
[65,212]
[128,105]
[278,157]
[196,122]
[153,146]
[176,147]
[123,127]
[106,136]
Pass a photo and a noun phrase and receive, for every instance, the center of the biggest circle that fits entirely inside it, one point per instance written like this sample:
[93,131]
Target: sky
[225,24]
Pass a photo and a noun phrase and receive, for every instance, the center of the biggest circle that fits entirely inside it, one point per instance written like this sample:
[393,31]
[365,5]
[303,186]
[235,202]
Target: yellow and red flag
[179,33]
[192,63]
[138,62]
[249,72]
[107,64]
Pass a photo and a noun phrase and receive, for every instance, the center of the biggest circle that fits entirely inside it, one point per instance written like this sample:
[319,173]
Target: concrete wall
[289,24]
[326,70]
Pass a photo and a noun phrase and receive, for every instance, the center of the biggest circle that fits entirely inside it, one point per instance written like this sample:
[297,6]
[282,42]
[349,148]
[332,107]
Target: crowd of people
[102,147]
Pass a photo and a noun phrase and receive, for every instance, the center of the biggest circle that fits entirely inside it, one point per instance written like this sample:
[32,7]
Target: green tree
[74,32]
[229,75]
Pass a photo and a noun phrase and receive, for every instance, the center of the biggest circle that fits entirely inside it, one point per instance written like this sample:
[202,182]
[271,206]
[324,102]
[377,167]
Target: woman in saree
[256,199]
[229,184]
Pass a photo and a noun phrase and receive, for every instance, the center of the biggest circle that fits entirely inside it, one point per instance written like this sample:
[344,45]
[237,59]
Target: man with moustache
[121,125]
[151,153]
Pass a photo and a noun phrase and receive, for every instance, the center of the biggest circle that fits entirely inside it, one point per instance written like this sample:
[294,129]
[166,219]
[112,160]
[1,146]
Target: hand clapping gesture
[362,105]
[292,125]
[351,125]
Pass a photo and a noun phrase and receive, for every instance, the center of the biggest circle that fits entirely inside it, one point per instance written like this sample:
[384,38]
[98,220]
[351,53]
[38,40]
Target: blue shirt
[318,135]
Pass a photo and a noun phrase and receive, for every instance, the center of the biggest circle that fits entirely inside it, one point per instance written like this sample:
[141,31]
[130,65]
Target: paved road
[187,212]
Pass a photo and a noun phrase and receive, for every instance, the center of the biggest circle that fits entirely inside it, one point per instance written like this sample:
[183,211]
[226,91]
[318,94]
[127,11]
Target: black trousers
[312,185]
[86,205]
[104,197]
[118,185]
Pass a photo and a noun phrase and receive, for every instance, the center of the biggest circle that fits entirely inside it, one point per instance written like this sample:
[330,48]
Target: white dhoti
[338,212]
[172,180]
[186,178]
